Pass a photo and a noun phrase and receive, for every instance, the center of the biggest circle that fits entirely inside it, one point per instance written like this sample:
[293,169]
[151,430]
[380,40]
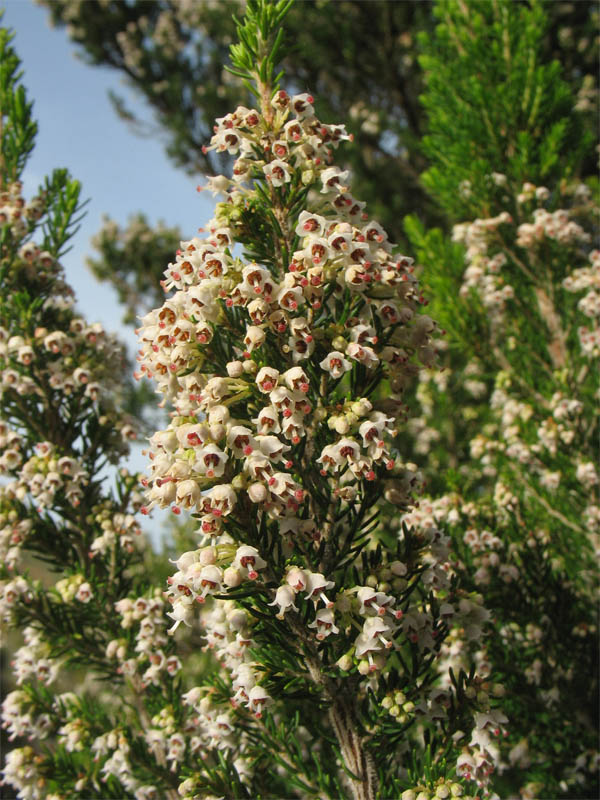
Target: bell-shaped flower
[211,461]
[324,623]
[266,379]
[362,353]
[335,364]
[247,558]
[277,172]
[310,224]
[316,584]
[374,602]
[284,598]
[267,421]
[296,380]
[258,699]
[221,499]
[297,578]
[210,580]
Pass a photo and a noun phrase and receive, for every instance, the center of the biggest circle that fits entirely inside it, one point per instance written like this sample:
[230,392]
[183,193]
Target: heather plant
[282,353]
[95,671]
[287,320]
[508,434]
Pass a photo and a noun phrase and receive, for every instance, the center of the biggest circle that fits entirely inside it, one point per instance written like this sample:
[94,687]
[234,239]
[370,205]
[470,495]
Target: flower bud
[239,481]
[257,493]
[340,425]
[361,407]
[296,578]
[111,648]
[232,577]
[187,787]
[208,556]
[345,662]
[235,369]
[398,568]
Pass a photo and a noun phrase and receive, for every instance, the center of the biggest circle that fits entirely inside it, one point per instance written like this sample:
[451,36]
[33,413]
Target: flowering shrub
[525,520]
[358,637]
[508,429]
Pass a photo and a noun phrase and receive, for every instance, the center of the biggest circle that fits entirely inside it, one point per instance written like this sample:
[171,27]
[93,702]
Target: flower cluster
[286,313]
[263,365]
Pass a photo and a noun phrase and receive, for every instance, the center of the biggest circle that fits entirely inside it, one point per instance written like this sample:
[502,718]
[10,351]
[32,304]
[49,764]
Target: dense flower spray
[291,329]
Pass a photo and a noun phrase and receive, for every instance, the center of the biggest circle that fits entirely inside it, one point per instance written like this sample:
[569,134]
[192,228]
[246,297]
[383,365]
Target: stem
[357,760]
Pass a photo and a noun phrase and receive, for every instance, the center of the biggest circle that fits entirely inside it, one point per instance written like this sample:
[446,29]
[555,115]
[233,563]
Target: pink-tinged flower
[297,578]
[366,355]
[240,441]
[266,379]
[324,623]
[296,380]
[221,499]
[247,558]
[310,224]
[277,172]
[258,699]
[257,493]
[335,364]
[374,602]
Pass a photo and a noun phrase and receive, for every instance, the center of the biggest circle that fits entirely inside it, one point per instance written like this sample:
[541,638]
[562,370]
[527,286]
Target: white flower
[84,594]
[258,699]
[324,623]
[247,557]
[335,364]
[284,598]
[277,172]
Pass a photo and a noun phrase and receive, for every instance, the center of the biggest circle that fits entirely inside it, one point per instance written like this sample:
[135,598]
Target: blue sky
[121,173]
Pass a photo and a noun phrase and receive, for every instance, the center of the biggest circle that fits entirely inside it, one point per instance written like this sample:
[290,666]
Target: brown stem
[363,780]
[556,345]
[359,762]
